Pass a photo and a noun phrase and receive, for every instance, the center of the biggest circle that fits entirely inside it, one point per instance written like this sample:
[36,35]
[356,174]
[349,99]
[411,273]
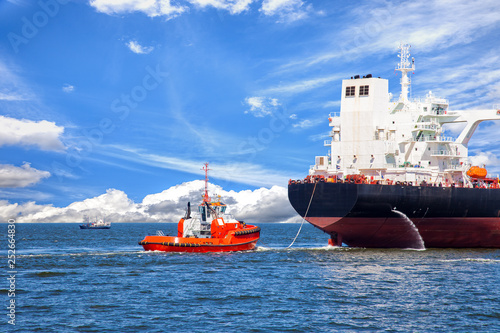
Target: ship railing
[426,126]
[454,167]
[327,143]
[334,114]
[436,138]
[426,100]
[443,152]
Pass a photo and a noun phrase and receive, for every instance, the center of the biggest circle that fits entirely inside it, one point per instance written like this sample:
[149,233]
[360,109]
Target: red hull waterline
[393,232]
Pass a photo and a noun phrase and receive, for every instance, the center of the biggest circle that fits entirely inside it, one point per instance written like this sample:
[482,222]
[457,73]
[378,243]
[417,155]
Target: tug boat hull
[394,216]
[238,240]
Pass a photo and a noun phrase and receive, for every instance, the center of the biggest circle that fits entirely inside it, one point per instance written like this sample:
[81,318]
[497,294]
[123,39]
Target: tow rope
[304,218]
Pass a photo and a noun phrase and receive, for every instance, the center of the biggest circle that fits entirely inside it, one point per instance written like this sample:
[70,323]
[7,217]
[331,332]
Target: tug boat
[210,230]
[392,179]
[95,224]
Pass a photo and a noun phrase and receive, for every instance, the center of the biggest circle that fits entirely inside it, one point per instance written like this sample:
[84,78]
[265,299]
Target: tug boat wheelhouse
[392,179]
[210,230]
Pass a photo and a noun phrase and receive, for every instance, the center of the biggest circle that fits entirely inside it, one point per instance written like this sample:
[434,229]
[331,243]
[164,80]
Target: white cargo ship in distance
[392,175]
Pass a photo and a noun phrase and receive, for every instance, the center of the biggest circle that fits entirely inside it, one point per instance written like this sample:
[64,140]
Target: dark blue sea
[72,280]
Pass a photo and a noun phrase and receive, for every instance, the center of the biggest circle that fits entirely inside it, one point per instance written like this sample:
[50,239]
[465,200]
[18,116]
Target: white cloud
[67,88]
[139,49]
[12,88]
[261,106]
[303,124]
[470,84]
[286,10]
[151,8]
[6,96]
[306,123]
[446,24]
[44,134]
[380,26]
[484,159]
[12,176]
[254,174]
[233,6]
[260,205]
[302,86]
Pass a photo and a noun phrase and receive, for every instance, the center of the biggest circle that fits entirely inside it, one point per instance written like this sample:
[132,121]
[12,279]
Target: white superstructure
[401,140]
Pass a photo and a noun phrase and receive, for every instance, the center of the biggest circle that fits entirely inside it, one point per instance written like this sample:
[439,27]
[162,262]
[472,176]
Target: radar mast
[206,198]
[404,68]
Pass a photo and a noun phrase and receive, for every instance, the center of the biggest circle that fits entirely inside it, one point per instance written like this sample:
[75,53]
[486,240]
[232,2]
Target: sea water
[72,280]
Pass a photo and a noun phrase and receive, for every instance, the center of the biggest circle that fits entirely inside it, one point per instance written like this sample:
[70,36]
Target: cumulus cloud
[261,205]
[285,10]
[138,48]
[151,8]
[44,134]
[261,106]
[12,176]
[233,6]
[484,159]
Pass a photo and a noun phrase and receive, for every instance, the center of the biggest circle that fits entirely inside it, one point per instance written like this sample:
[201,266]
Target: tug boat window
[203,213]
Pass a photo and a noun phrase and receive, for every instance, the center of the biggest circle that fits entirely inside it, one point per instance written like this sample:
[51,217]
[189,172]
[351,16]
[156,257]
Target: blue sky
[119,100]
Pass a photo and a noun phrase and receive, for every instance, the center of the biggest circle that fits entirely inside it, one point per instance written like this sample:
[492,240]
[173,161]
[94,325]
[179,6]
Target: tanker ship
[393,179]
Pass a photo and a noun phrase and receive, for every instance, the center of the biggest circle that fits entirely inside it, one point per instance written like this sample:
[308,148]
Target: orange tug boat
[210,230]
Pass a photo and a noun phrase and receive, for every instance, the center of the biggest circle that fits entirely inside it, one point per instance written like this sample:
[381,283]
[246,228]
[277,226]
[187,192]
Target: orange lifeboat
[210,230]
[477,172]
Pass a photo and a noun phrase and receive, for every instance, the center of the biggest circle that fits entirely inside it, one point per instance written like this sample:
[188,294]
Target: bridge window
[363,90]
[350,91]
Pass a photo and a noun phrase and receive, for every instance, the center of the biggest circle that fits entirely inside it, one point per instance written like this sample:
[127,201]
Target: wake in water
[325,248]
[418,241]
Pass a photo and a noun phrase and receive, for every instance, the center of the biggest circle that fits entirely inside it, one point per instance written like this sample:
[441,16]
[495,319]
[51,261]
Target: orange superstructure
[210,230]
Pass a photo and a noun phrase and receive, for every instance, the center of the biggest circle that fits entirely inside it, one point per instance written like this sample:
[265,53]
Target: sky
[111,107]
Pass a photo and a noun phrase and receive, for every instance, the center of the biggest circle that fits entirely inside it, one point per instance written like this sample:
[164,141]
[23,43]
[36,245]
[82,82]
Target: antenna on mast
[404,68]
[206,198]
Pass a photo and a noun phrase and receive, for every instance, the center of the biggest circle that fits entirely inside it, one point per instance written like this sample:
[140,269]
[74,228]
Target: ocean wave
[78,254]
[471,260]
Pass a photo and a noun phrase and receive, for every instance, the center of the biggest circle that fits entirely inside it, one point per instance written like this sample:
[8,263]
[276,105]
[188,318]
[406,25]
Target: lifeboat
[477,172]
[209,230]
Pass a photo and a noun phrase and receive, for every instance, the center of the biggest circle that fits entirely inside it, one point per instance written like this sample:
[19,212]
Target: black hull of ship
[378,216]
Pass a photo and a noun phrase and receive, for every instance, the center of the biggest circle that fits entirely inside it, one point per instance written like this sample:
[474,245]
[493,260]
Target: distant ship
[211,229]
[95,224]
[392,179]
